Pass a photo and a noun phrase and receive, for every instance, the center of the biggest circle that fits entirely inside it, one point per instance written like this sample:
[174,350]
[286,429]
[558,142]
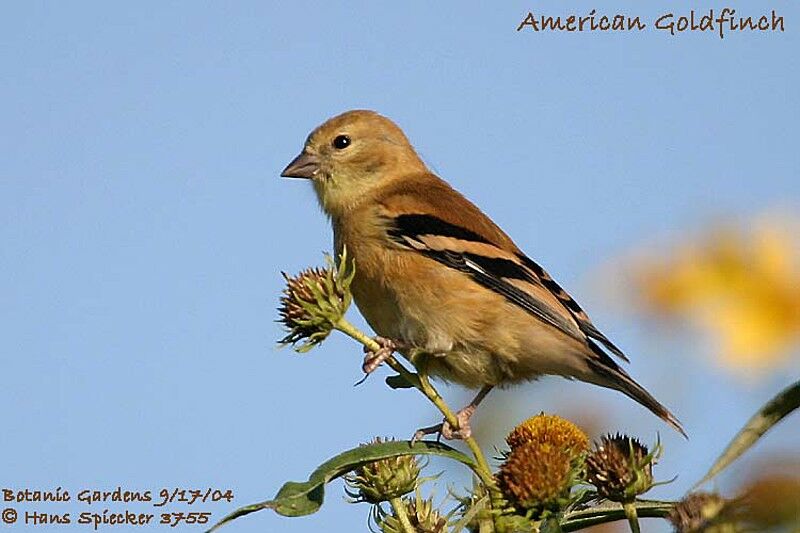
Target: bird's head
[351,156]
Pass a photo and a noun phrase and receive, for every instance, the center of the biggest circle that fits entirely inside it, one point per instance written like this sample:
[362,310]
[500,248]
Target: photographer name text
[102,508]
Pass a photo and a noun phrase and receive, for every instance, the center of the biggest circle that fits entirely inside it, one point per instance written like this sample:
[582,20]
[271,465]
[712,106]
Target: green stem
[421,382]
[487,477]
[485,526]
[630,514]
[400,512]
[350,330]
[604,513]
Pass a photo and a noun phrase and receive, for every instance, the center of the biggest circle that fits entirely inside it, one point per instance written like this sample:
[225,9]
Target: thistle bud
[545,460]
[422,515]
[552,429]
[383,480]
[620,467]
[537,476]
[313,302]
[704,512]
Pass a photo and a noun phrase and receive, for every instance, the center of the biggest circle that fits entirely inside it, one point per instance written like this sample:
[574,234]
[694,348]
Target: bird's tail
[609,374]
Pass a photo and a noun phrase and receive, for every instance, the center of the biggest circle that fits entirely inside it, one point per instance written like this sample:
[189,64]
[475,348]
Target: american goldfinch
[436,278]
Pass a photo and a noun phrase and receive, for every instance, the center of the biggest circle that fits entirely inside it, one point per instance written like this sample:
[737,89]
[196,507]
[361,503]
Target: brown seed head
[314,301]
[620,468]
[297,296]
[700,512]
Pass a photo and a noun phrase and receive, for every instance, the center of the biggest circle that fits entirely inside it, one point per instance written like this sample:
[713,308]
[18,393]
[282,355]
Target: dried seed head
[422,514]
[538,476]
[383,480]
[702,512]
[313,302]
[551,429]
[297,298]
[620,467]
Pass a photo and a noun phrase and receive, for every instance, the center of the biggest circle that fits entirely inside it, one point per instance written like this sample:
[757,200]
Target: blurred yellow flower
[742,285]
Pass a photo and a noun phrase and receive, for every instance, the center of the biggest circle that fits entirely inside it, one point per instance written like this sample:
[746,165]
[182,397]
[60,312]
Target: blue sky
[144,227]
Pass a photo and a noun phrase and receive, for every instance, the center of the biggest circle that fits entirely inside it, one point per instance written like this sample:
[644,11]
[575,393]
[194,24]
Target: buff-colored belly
[470,336]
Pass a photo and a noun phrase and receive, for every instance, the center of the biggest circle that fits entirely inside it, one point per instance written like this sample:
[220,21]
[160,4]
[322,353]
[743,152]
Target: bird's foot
[446,430]
[374,358]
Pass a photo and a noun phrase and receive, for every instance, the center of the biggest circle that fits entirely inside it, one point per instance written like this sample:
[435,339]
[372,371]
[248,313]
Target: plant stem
[488,480]
[604,513]
[400,512]
[630,514]
[485,526]
[421,382]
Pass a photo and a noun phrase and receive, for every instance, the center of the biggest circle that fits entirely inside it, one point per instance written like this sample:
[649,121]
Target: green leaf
[304,498]
[399,382]
[470,513]
[610,512]
[773,412]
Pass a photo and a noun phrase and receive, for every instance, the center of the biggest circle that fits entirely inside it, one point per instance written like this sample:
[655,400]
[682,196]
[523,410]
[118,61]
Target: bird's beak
[304,165]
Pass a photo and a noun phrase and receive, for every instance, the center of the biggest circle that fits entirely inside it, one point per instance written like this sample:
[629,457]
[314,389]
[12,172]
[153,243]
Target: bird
[438,280]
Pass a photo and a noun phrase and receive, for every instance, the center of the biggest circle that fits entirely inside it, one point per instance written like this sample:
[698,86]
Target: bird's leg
[463,416]
[373,359]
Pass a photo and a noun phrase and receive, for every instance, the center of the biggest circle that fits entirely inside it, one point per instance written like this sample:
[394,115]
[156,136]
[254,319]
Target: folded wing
[509,273]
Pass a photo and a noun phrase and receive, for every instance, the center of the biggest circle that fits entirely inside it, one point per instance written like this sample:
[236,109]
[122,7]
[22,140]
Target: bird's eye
[341,142]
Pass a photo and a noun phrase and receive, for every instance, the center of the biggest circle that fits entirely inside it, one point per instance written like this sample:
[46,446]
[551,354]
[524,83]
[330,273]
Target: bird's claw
[374,358]
[446,430]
